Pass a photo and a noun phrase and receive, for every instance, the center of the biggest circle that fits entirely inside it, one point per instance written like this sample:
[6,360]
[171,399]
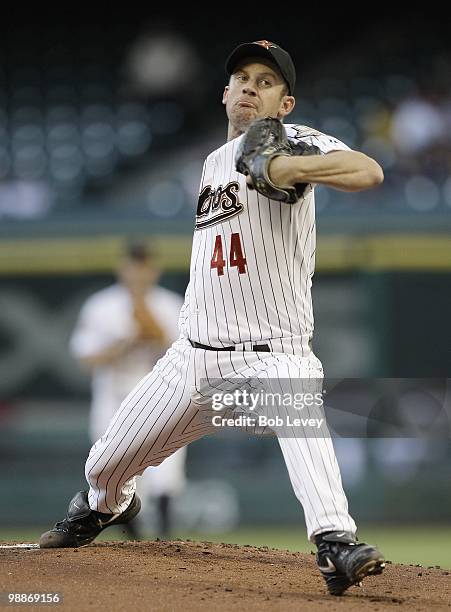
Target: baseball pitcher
[247,314]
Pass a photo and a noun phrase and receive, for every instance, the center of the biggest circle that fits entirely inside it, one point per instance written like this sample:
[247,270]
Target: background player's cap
[138,249]
[267,50]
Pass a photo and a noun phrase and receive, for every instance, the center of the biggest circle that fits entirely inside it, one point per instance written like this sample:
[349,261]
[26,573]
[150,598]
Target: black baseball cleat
[82,525]
[343,561]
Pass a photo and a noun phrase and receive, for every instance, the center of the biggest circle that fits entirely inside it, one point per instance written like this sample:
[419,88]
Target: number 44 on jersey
[236,257]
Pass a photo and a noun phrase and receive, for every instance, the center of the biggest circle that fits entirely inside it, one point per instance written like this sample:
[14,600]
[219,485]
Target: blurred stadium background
[103,131]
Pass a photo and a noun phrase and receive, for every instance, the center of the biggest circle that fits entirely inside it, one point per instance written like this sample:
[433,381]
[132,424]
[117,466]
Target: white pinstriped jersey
[253,258]
[251,269]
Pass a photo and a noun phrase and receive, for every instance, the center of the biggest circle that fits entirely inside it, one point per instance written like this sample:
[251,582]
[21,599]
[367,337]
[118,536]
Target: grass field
[407,544]
[423,545]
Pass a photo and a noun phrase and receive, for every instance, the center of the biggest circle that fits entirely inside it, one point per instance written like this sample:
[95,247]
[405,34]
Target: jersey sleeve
[176,313]
[171,306]
[324,142]
[91,334]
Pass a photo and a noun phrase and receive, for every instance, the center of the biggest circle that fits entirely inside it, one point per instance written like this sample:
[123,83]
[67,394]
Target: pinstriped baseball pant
[162,413]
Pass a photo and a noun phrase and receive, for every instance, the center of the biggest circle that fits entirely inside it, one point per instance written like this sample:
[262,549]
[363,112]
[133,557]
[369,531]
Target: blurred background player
[121,332]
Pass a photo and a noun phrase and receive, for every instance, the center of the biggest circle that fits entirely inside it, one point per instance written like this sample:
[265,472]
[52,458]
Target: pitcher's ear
[224,95]
[287,105]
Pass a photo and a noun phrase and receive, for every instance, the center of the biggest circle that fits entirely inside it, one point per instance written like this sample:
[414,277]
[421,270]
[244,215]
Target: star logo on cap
[266,44]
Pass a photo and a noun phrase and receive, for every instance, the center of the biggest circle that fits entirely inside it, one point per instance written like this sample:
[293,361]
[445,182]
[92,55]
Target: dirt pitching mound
[196,576]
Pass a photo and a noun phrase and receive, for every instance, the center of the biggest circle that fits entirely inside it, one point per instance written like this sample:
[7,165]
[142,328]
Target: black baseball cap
[267,50]
[138,249]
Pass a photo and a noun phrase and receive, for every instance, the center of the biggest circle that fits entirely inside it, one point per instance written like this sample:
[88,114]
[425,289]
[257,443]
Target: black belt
[264,348]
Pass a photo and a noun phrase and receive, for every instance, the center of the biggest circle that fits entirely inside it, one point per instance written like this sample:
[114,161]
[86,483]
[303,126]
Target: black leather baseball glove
[265,139]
